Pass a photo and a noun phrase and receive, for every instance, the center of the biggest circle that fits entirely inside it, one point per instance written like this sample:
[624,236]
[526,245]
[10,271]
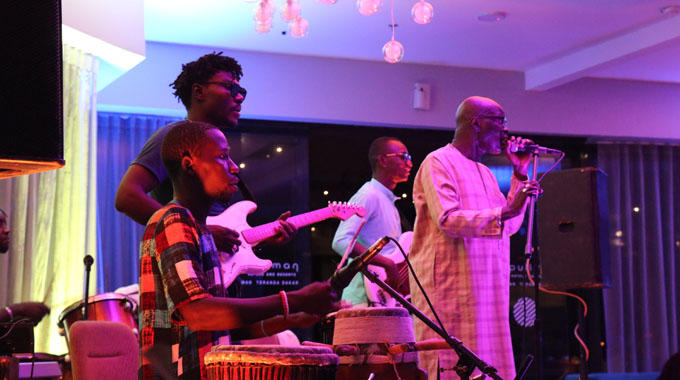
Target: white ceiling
[551,41]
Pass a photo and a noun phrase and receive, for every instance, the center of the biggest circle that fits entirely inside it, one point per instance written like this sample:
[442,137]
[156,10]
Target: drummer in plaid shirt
[461,241]
[184,308]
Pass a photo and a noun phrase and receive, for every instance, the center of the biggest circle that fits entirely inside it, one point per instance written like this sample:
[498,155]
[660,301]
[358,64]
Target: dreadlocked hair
[200,71]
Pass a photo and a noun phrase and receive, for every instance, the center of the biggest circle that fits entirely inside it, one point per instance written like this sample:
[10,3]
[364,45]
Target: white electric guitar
[244,261]
[376,295]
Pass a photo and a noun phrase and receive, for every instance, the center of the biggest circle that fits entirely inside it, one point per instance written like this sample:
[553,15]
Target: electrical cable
[415,277]
[585,307]
[20,320]
[528,270]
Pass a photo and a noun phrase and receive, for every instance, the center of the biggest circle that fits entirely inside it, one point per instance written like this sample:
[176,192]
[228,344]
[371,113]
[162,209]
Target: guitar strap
[247,195]
[406,224]
[235,287]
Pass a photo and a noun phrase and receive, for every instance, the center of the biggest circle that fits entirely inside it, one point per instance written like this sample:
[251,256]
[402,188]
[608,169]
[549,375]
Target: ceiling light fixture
[393,51]
[291,12]
[298,28]
[492,16]
[422,12]
[264,12]
[369,7]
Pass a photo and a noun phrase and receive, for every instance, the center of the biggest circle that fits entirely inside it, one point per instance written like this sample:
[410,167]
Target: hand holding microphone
[518,144]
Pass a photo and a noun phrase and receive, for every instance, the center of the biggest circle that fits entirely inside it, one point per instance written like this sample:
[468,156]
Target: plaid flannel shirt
[178,264]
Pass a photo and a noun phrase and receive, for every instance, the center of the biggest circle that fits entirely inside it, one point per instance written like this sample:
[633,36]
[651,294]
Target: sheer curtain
[120,138]
[642,308]
[52,214]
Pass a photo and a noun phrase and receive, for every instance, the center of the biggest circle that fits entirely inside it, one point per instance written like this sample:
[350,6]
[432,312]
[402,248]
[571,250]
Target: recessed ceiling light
[670,10]
[492,16]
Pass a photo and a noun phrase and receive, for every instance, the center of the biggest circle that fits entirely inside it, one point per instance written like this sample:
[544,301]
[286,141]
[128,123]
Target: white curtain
[52,215]
[120,138]
[642,308]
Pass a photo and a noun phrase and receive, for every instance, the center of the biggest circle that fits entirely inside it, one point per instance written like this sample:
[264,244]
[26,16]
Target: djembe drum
[271,363]
[112,307]
[372,331]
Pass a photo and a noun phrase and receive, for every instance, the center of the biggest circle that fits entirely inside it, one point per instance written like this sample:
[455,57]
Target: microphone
[88,261]
[528,148]
[344,276]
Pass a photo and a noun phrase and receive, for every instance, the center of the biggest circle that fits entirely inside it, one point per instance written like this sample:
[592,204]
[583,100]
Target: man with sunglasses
[209,89]
[461,240]
[390,164]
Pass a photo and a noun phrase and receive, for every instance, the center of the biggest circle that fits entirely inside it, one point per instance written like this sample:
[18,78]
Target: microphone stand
[468,360]
[88,260]
[528,255]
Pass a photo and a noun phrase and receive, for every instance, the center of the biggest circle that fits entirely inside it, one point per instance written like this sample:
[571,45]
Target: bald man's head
[473,106]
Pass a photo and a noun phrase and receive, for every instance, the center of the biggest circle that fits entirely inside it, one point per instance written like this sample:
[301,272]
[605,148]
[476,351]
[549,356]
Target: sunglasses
[403,156]
[233,87]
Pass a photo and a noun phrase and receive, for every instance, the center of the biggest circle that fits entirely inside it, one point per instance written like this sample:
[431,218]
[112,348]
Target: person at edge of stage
[390,164]
[33,311]
[461,242]
[184,306]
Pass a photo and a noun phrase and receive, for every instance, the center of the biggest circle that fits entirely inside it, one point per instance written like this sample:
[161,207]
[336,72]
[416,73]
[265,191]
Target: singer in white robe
[461,242]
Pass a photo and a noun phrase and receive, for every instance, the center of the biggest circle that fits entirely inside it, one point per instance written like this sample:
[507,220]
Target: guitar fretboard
[257,234]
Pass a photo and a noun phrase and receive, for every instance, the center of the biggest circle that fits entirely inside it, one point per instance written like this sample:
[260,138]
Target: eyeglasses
[404,156]
[501,119]
[233,87]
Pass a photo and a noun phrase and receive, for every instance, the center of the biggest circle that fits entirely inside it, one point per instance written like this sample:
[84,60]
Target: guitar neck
[259,233]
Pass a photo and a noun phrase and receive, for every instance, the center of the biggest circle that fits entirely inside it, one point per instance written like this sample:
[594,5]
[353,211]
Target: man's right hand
[391,270]
[316,298]
[226,240]
[35,311]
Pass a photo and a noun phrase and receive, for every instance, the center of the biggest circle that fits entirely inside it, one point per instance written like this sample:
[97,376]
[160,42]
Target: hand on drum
[304,320]
[316,298]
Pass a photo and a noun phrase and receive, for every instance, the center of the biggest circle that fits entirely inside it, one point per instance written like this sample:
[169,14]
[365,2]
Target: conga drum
[372,331]
[270,363]
[112,307]
[325,328]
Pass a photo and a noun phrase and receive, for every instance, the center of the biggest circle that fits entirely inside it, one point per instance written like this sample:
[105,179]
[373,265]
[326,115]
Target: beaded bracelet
[9,312]
[284,301]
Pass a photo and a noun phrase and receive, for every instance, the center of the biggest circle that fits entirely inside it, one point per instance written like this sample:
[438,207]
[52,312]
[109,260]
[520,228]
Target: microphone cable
[420,286]
[581,300]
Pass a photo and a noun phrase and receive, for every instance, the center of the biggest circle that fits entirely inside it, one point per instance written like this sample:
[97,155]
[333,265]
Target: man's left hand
[285,231]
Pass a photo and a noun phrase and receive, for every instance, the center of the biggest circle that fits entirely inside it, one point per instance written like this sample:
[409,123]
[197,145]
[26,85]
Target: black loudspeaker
[572,229]
[31,137]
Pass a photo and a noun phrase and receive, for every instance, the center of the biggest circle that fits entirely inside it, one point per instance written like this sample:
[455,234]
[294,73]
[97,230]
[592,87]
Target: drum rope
[371,329]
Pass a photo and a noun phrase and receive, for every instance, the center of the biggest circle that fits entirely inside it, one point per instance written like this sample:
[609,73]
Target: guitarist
[209,89]
[390,164]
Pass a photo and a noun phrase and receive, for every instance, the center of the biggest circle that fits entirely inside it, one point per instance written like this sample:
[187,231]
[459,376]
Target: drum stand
[468,360]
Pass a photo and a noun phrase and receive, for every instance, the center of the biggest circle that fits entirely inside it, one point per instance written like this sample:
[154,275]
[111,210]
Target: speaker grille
[31,81]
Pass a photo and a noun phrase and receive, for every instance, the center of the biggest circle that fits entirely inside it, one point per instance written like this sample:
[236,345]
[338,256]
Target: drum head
[272,355]
[93,299]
